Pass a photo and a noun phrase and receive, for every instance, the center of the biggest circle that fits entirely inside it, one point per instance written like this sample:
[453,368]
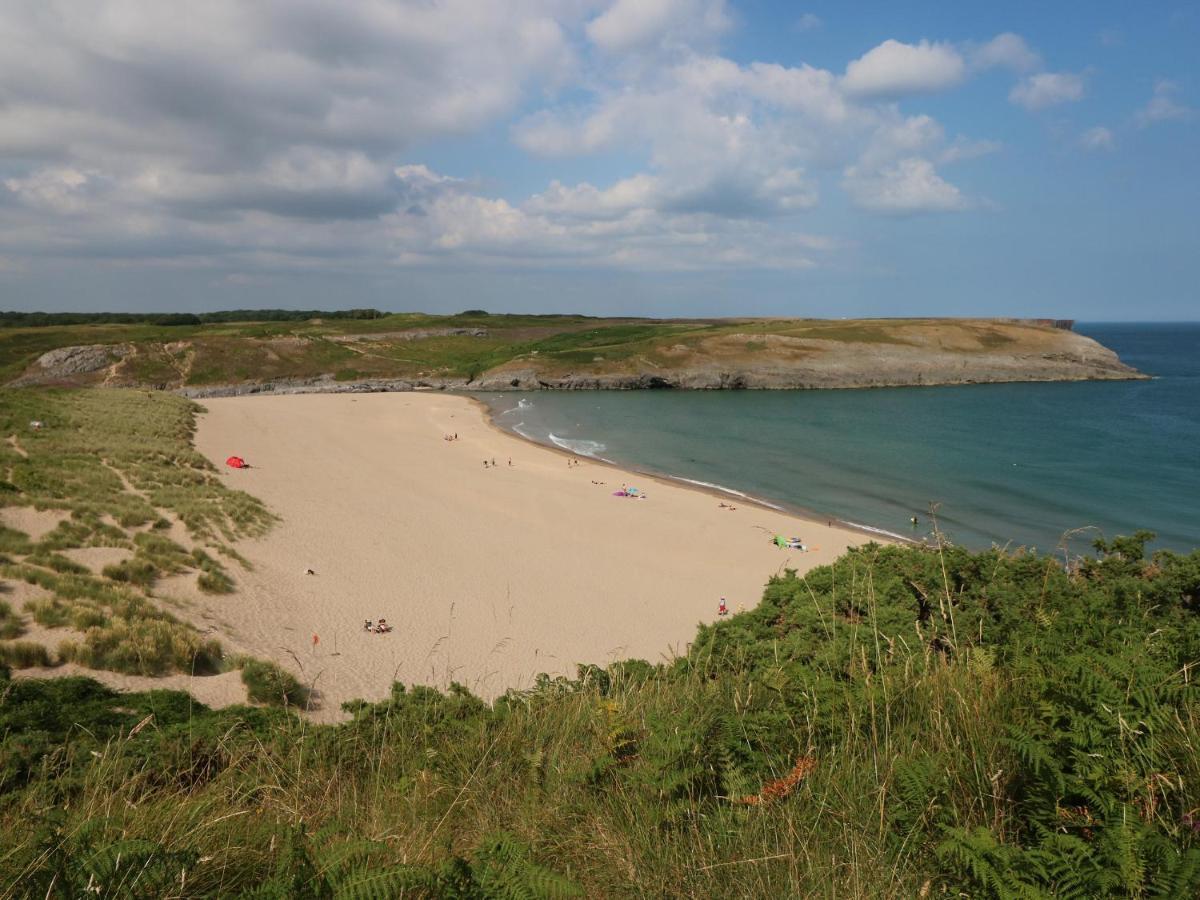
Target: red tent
[236,462]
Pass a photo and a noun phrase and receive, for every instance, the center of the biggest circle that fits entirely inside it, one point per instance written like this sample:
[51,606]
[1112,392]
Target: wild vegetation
[119,471]
[906,722]
[224,348]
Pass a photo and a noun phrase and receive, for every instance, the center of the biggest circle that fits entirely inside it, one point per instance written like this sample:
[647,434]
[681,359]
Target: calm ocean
[1009,464]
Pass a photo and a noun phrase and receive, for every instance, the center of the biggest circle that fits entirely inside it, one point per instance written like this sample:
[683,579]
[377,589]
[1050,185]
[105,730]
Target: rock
[68,363]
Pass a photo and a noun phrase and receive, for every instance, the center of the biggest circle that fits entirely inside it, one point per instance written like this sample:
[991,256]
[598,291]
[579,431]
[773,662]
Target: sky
[609,157]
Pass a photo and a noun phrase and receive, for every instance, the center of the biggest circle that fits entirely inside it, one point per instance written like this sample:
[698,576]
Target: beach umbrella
[236,462]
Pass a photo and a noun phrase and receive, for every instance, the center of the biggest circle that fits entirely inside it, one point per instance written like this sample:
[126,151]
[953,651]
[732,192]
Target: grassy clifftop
[485,352]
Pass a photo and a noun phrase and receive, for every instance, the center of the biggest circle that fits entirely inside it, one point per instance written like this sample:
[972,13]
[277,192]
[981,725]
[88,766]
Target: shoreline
[492,574]
[704,487]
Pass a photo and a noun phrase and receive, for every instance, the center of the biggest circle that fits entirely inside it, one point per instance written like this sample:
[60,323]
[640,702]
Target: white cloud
[909,186]
[635,24]
[895,69]
[964,148]
[1098,138]
[1006,50]
[1162,106]
[618,227]
[283,134]
[1047,89]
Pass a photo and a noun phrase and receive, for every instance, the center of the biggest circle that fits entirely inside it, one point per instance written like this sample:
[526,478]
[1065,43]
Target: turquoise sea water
[1010,463]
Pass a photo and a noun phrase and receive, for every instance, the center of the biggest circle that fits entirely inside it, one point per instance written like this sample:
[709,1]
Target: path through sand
[490,575]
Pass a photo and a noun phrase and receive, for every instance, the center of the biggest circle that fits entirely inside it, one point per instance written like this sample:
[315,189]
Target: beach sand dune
[489,575]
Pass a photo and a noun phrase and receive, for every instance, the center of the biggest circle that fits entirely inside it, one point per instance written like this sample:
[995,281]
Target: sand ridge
[489,575]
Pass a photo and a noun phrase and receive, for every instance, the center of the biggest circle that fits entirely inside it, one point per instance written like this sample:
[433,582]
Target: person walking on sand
[722,610]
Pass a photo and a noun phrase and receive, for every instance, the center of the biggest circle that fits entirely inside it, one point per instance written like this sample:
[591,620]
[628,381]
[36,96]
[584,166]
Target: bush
[268,683]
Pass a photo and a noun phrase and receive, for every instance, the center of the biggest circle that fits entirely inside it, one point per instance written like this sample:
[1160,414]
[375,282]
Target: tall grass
[24,654]
[116,461]
[11,625]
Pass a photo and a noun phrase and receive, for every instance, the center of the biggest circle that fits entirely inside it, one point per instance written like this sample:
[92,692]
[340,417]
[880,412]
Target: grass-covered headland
[908,722]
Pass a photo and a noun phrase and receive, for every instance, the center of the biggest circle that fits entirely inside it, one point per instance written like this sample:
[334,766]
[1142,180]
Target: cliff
[500,353]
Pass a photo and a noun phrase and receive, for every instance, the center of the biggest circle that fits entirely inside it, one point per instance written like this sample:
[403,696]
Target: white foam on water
[580,446]
[882,531]
[524,434]
[725,490]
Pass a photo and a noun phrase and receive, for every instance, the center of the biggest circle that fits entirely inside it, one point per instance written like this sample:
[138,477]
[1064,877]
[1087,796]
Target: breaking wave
[580,446]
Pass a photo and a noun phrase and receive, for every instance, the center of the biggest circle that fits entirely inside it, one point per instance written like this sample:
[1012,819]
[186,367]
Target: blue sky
[631,157]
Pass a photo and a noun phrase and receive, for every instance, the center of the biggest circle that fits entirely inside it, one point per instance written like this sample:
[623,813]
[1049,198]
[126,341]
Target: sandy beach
[490,575]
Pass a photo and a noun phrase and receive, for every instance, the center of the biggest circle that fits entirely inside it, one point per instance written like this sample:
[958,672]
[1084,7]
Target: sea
[1046,466]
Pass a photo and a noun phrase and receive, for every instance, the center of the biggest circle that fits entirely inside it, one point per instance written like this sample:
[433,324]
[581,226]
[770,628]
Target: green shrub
[268,683]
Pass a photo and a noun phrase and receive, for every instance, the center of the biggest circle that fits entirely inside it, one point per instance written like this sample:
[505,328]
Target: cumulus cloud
[621,226]
[1046,89]
[1008,51]
[290,134]
[895,69]
[906,187]
[1162,106]
[634,24]
[1098,138]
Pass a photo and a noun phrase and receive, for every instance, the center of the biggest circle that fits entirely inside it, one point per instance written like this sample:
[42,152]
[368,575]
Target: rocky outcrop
[69,363]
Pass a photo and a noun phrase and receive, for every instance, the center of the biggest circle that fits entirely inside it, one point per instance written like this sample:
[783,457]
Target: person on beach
[485,463]
[722,610]
[914,521]
[368,625]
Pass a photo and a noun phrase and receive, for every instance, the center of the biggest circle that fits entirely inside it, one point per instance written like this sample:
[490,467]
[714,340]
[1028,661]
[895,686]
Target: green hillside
[484,351]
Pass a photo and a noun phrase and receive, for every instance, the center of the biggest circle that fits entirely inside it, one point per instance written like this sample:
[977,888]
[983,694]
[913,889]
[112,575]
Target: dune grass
[120,465]
[268,683]
[24,654]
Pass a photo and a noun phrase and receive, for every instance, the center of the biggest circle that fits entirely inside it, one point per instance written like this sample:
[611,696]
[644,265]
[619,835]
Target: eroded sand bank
[490,575]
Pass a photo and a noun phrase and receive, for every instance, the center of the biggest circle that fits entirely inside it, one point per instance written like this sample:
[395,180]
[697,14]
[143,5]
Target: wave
[580,446]
[521,405]
[873,530]
[524,434]
[726,490]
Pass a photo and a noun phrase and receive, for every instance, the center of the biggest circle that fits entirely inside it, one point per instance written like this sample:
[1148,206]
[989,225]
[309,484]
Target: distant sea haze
[1010,464]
